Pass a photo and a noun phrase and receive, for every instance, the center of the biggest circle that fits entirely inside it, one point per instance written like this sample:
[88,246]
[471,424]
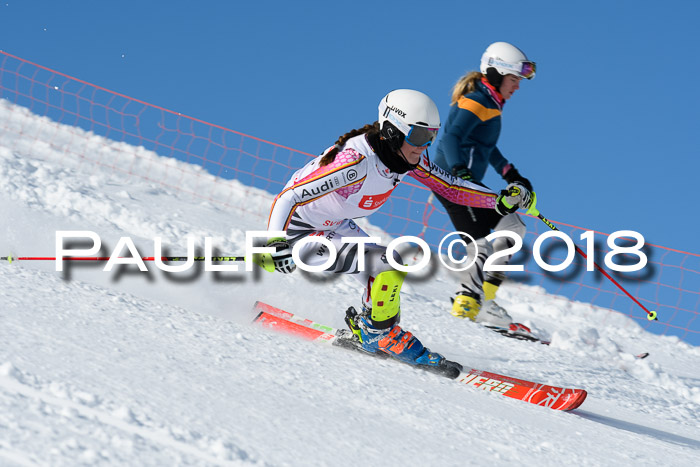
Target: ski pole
[10,259]
[263,260]
[651,315]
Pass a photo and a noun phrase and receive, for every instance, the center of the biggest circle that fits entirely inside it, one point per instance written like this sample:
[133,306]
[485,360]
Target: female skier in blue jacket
[467,148]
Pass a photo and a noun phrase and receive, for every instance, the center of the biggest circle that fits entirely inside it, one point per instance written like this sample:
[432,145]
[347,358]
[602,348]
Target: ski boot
[398,344]
[494,314]
[466,305]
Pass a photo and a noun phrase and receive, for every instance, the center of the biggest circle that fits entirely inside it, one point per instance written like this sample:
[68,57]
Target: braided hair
[330,155]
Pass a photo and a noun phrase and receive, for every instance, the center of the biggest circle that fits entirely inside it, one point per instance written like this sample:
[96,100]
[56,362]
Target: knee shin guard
[385,293]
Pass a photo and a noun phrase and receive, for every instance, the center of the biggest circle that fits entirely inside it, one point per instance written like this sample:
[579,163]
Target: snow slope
[134,368]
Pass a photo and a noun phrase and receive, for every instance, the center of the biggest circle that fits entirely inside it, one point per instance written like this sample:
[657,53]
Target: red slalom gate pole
[651,315]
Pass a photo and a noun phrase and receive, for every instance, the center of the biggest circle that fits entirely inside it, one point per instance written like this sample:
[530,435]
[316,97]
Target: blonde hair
[465,85]
[330,155]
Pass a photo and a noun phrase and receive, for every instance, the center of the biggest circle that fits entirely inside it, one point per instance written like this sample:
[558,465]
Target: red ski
[553,397]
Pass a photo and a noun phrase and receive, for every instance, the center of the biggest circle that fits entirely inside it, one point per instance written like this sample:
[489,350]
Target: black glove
[513,176]
[462,172]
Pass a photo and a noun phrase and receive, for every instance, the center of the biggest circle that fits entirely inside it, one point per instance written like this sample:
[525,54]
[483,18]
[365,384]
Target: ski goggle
[527,69]
[421,136]
[524,69]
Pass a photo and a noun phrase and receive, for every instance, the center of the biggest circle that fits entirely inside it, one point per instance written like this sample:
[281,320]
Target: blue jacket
[471,133]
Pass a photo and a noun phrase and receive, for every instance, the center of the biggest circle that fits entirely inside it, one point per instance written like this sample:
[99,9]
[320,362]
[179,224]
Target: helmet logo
[499,62]
[401,113]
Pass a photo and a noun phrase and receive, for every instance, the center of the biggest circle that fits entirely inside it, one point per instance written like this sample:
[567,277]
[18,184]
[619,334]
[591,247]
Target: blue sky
[607,131]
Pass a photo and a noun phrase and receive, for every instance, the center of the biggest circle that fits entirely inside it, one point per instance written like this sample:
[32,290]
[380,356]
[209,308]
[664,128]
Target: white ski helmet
[413,113]
[507,59]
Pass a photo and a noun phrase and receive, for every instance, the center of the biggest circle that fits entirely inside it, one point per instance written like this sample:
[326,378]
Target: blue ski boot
[376,331]
[398,344]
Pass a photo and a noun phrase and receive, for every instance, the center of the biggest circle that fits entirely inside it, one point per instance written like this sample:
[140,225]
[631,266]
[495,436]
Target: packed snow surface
[154,368]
